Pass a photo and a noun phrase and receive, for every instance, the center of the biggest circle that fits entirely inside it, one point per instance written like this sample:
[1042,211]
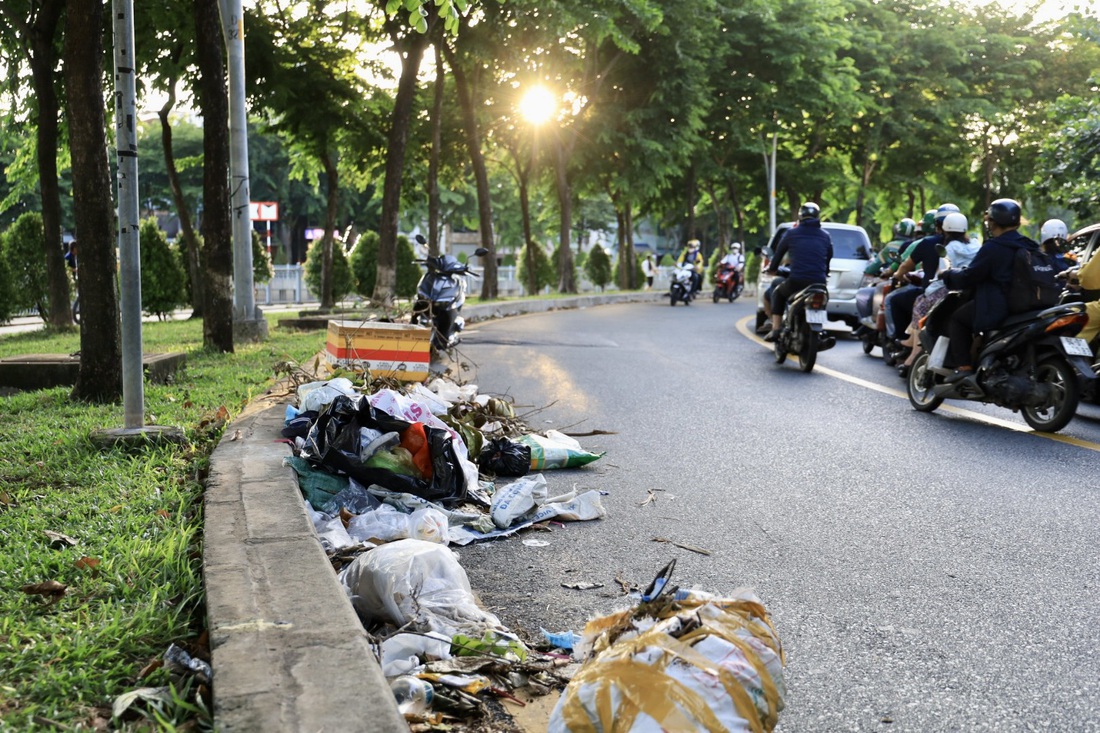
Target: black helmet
[809,210]
[1004,213]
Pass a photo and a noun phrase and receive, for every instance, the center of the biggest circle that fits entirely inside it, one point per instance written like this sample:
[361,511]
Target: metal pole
[771,186]
[244,300]
[129,250]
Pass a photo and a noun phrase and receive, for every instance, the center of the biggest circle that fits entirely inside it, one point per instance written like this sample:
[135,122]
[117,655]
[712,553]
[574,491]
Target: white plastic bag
[402,653]
[386,524]
[418,583]
[315,395]
[513,501]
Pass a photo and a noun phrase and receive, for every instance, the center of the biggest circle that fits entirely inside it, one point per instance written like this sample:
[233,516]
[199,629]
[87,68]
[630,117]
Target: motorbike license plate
[1076,346]
[817,317]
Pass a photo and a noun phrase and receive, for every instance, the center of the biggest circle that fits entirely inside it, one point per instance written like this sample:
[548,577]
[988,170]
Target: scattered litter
[315,395]
[386,524]
[414,695]
[498,643]
[181,662]
[691,548]
[158,695]
[402,653]
[60,540]
[504,457]
[416,583]
[716,661]
[651,498]
[581,586]
[556,450]
[536,543]
[561,639]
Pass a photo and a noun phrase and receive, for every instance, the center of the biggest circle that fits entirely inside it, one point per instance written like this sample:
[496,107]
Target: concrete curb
[288,651]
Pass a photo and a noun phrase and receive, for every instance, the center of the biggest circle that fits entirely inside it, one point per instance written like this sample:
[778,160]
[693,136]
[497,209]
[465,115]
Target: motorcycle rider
[1052,238]
[810,250]
[925,253]
[734,260]
[990,275]
[890,254]
[692,256]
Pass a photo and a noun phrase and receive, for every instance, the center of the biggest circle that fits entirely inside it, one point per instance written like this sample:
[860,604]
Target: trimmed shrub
[21,250]
[262,271]
[364,266]
[343,282]
[598,267]
[7,294]
[545,274]
[712,265]
[162,277]
[667,261]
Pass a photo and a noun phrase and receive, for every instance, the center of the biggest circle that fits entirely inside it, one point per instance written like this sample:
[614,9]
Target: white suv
[851,252]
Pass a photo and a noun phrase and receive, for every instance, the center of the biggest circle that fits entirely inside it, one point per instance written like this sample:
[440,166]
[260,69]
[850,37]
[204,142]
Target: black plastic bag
[333,444]
[503,457]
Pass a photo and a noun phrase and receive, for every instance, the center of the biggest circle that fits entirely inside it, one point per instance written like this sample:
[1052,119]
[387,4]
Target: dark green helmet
[906,227]
[928,221]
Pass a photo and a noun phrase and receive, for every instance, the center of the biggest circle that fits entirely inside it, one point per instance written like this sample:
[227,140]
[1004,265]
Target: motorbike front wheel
[1065,394]
[919,386]
[717,295]
[780,349]
[807,355]
[672,298]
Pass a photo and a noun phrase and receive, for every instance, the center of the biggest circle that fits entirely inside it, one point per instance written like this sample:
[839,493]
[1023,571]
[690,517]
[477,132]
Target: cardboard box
[398,350]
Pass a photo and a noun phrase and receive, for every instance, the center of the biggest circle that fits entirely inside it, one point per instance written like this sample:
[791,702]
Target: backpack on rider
[1034,283]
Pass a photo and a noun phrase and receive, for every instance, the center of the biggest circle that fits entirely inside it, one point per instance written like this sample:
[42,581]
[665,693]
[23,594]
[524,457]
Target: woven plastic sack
[698,664]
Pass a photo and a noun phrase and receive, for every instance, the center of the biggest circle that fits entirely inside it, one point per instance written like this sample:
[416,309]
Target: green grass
[138,514]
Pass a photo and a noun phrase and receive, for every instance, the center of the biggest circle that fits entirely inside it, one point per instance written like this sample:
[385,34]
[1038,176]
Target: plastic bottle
[413,695]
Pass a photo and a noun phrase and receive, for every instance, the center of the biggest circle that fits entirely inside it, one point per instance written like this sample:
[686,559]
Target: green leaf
[392,6]
[421,25]
[412,6]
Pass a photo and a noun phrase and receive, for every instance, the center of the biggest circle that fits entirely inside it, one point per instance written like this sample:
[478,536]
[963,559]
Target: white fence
[288,285]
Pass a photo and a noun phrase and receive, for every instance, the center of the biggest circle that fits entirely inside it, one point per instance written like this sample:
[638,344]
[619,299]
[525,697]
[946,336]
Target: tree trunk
[466,101]
[721,216]
[100,376]
[525,215]
[187,231]
[42,62]
[689,218]
[217,233]
[632,269]
[912,202]
[437,150]
[738,212]
[386,280]
[332,180]
[567,283]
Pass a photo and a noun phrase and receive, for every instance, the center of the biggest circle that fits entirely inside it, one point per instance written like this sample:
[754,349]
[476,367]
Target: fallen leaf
[691,548]
[236,435]
[148,669]
[64,540]
[86,563]
[188,404]
[170,398]
[152,694]
[50,589]
[115,509]
[163,513]
[6,500]
[581,586]
[222,414]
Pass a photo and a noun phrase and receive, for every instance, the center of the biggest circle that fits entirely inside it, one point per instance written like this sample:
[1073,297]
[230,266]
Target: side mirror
[480,252]
[420,239]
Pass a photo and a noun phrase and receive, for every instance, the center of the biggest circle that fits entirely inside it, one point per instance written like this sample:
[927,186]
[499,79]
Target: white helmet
[1053,229]
[735,247]
[954,222]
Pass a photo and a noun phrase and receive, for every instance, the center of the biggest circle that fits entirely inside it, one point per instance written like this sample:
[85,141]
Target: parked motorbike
[802,332]
[728,284]
[1032,364]
[440,295]
[680,288]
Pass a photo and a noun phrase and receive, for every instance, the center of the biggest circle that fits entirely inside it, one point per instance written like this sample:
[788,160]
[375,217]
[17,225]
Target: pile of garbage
[394,476]
[390,479]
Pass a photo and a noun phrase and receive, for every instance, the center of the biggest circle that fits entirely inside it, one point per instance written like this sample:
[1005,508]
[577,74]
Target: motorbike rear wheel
[807,355]
[919,388]
[716,295]
[868,346]
[781,349]
[1066,394]
[672,298]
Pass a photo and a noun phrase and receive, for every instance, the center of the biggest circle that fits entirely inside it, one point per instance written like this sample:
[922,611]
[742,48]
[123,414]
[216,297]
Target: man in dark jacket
[990,275]
[810,249]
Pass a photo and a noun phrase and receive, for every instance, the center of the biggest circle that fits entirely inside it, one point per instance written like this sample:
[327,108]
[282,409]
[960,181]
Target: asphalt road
[925,572]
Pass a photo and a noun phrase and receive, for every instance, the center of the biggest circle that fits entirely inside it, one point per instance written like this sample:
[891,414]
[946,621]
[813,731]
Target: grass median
[120,530]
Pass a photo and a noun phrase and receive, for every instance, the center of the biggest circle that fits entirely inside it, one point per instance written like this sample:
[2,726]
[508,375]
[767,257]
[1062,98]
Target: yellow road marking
[742,326]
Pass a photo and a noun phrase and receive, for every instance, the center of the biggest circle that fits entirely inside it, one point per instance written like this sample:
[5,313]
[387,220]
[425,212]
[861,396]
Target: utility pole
[129,220]
[248,322]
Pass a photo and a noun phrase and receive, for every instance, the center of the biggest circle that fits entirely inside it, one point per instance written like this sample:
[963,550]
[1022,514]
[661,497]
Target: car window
[849,244]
